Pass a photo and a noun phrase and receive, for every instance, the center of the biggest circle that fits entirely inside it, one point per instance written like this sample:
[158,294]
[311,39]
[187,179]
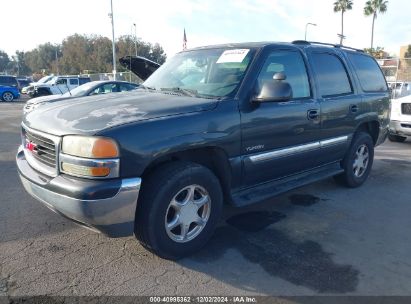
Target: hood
[89,115]
[41,99]
[140,66]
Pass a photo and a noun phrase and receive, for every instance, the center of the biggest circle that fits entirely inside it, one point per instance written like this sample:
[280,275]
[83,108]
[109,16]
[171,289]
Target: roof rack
[304,42]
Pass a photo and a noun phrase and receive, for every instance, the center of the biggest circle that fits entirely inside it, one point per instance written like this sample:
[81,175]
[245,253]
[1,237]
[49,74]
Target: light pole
[306,26]
[135,37]
[111,15]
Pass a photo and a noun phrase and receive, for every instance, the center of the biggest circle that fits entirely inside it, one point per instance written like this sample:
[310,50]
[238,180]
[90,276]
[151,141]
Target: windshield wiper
[186,92]
[146,87]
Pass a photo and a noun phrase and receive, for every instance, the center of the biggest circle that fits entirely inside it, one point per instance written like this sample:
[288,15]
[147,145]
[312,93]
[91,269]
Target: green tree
[373,8]
[4,61]
[342,6]
[42,58]
[377,53]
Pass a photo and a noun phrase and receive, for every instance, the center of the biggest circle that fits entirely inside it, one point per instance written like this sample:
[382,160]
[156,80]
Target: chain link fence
[397,71]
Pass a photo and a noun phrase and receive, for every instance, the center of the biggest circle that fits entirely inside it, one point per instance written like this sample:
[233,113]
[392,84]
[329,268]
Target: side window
[331,74]
[292,65]
[84,80]
[73,81]
[104,89]
[369,74]
[61,81]
[126,87]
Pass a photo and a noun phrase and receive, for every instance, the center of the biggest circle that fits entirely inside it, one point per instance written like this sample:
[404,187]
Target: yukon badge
[254,148]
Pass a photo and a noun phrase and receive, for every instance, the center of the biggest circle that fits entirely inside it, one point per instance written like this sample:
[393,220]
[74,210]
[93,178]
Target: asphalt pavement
[322,239]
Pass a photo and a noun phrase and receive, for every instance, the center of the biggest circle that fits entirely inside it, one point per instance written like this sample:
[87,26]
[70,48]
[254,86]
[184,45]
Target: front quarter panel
[143,142]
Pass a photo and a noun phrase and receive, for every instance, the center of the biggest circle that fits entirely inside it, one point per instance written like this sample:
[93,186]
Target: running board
[268,190]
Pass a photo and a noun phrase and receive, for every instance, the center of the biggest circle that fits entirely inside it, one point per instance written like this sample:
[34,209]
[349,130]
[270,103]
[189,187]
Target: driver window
[292,65]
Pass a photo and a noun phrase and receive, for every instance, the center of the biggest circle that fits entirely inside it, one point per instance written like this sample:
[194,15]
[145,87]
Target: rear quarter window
[369,74]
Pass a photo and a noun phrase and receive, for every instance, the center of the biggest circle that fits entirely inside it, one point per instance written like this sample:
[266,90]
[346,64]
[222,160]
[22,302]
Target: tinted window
[292,65]
[8,81]
[84,80]
[127,87]
[73,81]
[369,74]
[331,74]
[105,88]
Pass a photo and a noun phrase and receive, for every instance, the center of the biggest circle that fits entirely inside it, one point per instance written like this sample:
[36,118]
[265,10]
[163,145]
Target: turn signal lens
[85,171]
[90,147]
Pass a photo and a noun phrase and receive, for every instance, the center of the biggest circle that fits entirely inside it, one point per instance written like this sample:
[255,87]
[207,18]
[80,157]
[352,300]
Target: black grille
[42,149]
[406,108]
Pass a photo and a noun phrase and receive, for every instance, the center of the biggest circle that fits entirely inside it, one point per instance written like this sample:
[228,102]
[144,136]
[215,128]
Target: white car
[400,125]
[59,85]
[30,87]
[400,88]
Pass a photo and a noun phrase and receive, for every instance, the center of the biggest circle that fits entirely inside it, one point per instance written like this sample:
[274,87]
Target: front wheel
[358,161]
[7,96]
[396,138]
[179,207]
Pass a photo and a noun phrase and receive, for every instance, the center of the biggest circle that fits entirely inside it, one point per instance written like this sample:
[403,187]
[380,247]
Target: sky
[25,24]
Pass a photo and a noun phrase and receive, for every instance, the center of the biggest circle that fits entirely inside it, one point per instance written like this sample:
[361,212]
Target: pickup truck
[226,124]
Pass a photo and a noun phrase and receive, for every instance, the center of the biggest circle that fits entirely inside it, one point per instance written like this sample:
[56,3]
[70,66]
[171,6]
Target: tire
[7,96]
[396,138]
[357,162]
[165,201]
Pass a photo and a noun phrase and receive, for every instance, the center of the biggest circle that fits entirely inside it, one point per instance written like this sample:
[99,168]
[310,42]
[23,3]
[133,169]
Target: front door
[281,138]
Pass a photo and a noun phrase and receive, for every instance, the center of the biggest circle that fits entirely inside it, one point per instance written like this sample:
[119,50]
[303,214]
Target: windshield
[45,79]
[80,90]
[202,73]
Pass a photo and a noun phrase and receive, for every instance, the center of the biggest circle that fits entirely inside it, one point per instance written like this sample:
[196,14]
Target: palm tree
[342,6]
[374,7]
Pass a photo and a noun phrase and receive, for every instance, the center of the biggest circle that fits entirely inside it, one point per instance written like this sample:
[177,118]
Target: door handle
[313,114]
[353,108]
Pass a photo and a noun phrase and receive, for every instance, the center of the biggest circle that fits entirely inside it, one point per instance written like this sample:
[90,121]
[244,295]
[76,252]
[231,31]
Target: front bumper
[400,128]
[107,206]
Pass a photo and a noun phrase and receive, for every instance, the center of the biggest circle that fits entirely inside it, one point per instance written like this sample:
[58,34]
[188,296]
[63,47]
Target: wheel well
[372,128]
[212,158]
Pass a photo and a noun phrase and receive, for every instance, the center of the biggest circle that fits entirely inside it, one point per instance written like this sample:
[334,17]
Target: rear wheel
[7,96]
[396,138]
[358,161]
[179,207]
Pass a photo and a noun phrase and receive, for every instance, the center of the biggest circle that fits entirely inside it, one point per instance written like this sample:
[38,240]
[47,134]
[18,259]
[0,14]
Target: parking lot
[320,239]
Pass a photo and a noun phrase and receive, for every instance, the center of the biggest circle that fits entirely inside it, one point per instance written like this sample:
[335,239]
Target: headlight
[90,147]
[90,157]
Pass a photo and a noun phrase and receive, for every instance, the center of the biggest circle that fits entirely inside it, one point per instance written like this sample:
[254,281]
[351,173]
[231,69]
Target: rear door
[341,105]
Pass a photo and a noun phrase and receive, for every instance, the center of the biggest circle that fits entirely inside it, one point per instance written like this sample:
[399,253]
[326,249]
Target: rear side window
[8,81]
[331,74]
[369,74]
[84,80]
[73,81]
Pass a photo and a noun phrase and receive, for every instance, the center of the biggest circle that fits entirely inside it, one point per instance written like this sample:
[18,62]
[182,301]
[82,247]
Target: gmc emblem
[31,146]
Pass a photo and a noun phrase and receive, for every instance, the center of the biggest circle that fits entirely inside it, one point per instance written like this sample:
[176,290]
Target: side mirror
[276,90]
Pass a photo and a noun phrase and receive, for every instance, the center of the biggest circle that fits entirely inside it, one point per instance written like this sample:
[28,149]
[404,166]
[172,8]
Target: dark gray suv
[234,124]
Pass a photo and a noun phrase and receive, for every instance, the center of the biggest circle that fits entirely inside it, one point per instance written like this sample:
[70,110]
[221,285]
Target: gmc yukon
[233,123]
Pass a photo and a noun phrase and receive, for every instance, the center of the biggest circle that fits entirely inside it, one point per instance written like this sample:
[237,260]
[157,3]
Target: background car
[9,93]
[9,88]
[87,89]
[58,85]
[23,82]
[30,88]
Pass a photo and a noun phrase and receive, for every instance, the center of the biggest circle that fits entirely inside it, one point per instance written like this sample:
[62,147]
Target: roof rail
[304,42]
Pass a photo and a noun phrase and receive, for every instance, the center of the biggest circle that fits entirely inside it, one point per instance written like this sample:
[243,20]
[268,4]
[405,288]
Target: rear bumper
[107,206]
[400,128]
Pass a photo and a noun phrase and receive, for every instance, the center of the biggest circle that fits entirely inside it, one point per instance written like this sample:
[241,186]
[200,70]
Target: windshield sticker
[233,56]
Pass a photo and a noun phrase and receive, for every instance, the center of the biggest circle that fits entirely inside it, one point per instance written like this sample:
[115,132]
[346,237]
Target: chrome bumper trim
[118,209]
